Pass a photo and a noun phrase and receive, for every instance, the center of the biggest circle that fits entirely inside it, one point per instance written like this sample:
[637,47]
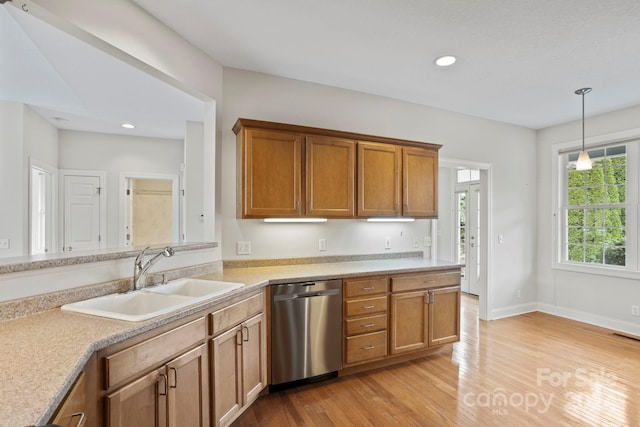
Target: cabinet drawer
[424,281]
[235,314]
[363,287]
[366,347]
[365,325]
[358,307]
[136,359]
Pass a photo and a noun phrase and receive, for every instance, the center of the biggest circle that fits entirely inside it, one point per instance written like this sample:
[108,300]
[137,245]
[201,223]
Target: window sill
[600,270]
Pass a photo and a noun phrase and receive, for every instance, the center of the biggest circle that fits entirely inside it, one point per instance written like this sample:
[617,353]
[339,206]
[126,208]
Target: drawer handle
[82,419]
[368,307]
[369,347]
[369,288]
[429,281]
[368,325]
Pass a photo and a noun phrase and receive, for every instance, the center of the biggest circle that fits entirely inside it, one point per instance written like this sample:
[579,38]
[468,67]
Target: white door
[469,247]
[41,228]
[82,217]
[473,270]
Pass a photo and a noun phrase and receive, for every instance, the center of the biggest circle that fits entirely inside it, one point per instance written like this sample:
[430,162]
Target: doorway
[42,205]
[464,225]
[150,213]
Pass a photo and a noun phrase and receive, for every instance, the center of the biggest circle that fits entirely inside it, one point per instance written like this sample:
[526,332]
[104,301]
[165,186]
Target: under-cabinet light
[295,220]
[127,126]
[390,219]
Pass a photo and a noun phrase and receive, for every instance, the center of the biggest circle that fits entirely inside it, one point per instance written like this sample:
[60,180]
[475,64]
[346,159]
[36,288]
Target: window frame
[630,138]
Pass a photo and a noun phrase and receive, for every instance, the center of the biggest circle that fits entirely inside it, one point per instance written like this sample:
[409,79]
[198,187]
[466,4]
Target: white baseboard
[590,318]
[513,310]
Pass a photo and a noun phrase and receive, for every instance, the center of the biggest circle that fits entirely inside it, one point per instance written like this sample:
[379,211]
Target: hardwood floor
[529,370]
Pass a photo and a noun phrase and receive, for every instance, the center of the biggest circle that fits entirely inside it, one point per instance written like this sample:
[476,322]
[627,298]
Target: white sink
[154,301]
[195,288]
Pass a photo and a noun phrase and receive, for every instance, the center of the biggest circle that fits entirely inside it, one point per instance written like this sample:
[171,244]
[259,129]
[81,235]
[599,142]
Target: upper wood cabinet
[343,174]
[330,176]
[270,166]
[419,183]
[378,179]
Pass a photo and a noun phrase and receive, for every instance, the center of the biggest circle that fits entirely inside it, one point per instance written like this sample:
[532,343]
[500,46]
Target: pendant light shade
[584,162]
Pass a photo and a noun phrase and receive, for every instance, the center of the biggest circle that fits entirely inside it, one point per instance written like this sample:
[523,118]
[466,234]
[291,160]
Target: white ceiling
[519,61]
[77,86]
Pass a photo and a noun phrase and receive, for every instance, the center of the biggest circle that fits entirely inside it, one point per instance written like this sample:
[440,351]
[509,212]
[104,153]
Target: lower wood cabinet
[425,318]
[72,412]
[175,394]
[238,366]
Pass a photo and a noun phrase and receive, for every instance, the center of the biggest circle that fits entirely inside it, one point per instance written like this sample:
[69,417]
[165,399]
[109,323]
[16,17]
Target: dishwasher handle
[288,297]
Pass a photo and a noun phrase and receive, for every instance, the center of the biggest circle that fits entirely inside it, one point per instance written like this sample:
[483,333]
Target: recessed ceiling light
[127,126]
[445,61]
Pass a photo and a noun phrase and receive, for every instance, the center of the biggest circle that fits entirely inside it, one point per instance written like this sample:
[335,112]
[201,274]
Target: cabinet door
[188,397]
[227,375]
[72,411]
[330,176]
[254,358]
[444,316]
[409,317]
[141,403]
[378,179]
[419,182]
[271,173]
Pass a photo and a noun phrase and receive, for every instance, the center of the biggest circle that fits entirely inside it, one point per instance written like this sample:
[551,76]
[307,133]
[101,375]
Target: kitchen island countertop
[42,354]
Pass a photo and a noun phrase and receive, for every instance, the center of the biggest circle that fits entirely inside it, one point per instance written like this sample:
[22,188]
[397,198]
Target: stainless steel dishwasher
[306,332]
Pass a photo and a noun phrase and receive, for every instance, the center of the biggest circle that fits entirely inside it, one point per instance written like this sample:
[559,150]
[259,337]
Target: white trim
[103,203]
[590,318]
[513,310]
[122,203]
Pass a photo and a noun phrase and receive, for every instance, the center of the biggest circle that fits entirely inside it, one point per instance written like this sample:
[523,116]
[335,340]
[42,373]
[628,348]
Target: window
[595,209]
[598,210]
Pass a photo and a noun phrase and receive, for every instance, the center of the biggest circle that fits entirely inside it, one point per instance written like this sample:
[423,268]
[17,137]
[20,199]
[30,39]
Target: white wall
[508,149]
[12,182]
[597,299]
[193,149]
[447,214]
[114,154]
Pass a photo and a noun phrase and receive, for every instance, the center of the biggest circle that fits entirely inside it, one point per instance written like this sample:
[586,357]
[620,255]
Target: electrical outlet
[635,310]
[500,238]
[387,242]
[518,294]
[416,243]
[243,248]
[427,241]
[322,244]
[4,243]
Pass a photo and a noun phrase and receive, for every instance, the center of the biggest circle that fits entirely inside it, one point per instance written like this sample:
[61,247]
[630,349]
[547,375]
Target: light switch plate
[243,248]
[387,242]
[322,244]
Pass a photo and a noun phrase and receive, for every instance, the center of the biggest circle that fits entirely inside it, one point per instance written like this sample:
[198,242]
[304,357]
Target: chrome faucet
[140,268]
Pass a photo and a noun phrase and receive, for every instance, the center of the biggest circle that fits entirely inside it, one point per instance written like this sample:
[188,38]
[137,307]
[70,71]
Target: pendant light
[584,162]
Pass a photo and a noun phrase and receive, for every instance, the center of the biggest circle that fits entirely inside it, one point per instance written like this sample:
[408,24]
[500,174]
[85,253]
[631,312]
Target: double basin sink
[153,301]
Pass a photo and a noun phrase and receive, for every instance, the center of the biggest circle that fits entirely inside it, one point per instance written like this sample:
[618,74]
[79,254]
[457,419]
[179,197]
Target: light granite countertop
[41,354]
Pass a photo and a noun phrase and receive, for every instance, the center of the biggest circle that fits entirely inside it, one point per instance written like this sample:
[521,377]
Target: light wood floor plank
[529,370]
